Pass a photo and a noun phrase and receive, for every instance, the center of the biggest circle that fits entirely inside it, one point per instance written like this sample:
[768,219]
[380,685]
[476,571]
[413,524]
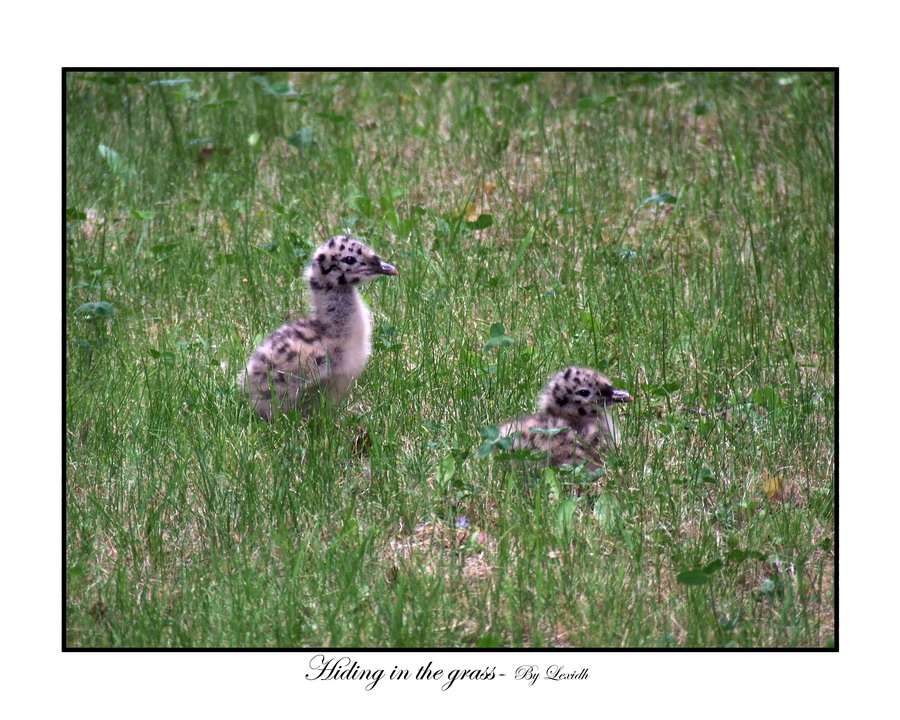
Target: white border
[232,685]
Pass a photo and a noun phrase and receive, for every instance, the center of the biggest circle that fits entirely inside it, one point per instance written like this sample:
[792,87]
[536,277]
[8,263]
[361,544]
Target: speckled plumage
[326,351]
[571,425]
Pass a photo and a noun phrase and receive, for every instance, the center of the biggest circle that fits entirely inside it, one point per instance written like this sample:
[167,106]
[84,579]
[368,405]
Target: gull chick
[326,351]
[572,424]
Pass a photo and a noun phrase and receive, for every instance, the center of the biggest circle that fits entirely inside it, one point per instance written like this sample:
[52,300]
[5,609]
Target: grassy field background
[675,231]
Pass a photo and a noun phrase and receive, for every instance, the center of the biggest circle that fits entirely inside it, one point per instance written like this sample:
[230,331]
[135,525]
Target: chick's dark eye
[349,260]
[584,392]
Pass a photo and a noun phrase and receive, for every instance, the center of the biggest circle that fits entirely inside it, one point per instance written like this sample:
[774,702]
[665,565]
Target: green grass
[192,208]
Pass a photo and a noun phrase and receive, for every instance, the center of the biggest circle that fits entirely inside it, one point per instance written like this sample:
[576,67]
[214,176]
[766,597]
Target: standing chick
[326,351]
[571,425]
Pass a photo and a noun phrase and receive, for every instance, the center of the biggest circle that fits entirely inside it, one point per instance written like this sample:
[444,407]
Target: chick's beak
[621,396]
[386,269]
